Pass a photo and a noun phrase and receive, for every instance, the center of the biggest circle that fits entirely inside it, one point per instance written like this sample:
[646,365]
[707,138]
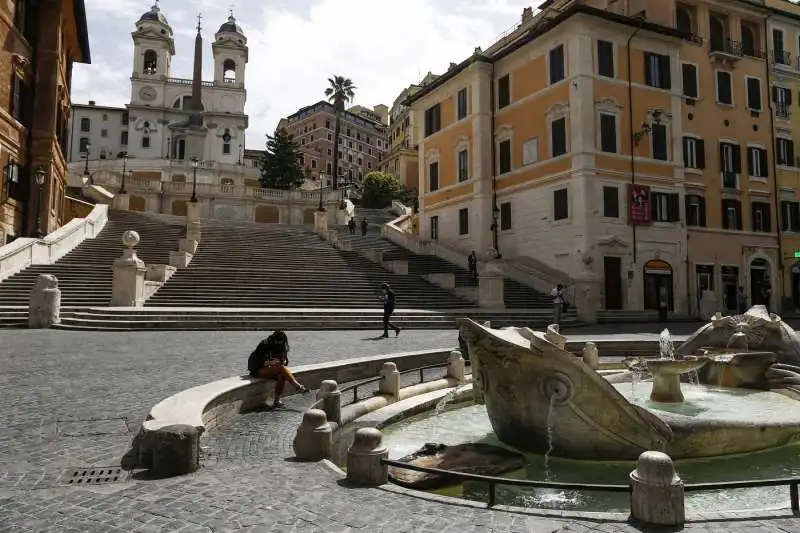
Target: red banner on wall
[639,204]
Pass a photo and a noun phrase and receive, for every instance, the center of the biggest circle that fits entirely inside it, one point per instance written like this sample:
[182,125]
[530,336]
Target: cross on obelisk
[230,10]
[199,20]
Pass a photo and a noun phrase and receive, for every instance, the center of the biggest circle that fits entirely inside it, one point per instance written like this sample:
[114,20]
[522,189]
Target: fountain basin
[667,377]
[737,369]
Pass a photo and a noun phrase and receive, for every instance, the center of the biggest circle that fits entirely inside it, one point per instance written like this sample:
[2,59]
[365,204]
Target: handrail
[493,481]
[361,383]
[422,370]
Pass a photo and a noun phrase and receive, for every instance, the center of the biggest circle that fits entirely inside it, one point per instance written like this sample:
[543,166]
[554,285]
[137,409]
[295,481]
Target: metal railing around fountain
[355,386]
[422,370]
[493,482]
[363,383]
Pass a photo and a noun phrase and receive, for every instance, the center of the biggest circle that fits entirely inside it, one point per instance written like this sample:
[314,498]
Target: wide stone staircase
[85,274]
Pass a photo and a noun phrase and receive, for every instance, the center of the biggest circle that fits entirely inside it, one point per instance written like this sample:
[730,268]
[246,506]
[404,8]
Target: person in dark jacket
[270,360]
[388,309]
[364,226]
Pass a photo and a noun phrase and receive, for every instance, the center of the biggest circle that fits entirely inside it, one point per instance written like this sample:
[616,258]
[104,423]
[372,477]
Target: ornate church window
[146,134]
[150,62]
[226,141]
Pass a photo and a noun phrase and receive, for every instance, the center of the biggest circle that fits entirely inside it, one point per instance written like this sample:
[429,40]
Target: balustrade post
[390,380]
[657,495]
[331,398]
[365,459]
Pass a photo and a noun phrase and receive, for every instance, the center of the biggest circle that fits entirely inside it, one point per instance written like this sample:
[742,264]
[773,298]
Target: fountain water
[666,348]
[446,399]
[550,423]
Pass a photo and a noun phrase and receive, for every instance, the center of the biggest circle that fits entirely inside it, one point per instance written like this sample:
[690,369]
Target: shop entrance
[730,288]
[658,284]
[760,283]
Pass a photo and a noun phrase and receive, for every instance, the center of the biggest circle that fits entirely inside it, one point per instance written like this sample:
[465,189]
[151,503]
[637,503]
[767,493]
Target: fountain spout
[667,377]
[738,341]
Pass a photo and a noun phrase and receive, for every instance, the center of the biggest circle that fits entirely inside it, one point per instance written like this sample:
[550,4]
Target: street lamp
[39,175]
[647,127]
[124,172]
[495,228]
[321,208]
[86,158]
[195,162]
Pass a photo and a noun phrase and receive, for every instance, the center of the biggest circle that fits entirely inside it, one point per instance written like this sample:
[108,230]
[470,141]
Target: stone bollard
[657,491]
[390,384]
[456,366]
[44,303]
[127,287]
[331,398]
[552,335]
[314,437]
[590,355]
[176,450]
[364,466]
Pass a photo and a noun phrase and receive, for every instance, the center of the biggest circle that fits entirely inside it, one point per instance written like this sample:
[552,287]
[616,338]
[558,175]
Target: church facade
[181,138]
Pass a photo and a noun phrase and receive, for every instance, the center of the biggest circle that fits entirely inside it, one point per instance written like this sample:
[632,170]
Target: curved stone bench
[208,405]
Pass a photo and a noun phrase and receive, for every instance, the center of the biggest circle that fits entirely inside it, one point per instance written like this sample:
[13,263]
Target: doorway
[796,286]
[612,272]
[730,288]
[760,284]
[704,278]
[657,282]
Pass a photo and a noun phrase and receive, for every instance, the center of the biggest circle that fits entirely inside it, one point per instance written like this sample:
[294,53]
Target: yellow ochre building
[641,147]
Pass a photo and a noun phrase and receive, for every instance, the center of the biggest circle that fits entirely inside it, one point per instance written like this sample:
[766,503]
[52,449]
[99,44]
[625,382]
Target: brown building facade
[362,143]
[41,41]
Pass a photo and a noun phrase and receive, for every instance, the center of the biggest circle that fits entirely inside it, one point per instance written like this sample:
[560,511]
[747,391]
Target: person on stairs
[351,225]
[270,360]
[388,309]
[364,226]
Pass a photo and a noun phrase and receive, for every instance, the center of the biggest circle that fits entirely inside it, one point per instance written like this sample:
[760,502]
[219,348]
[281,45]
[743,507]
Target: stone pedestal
[341,217]
[44,303]
[586,300]
[491,286]
[657,491]
[176,450]
[159,273]
[390,384]
[331,398]
[188,246]
[445,281]
[590,355]
[129,275]
[314,437]
[180,259]
[364,466]
[456,366]
[344,244]
[192,212]
[321,223]
[332,236]
[397,267]
[121,201]
[376,256]
[194,231]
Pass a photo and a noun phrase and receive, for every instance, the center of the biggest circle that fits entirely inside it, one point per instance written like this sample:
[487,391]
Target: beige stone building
[363,141]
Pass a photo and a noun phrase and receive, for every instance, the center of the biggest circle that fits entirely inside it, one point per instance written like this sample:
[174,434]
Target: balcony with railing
[782,58]
[782,110]
[726,49]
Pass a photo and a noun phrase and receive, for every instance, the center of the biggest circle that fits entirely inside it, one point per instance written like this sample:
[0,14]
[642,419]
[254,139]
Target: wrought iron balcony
[782,57]
[725,48]
[782,110]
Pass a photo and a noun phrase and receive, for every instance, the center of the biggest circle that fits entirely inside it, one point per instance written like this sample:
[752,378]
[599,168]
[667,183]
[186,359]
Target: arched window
[146,134]
[683,20]
[150,62]
[226,141]
[229,71]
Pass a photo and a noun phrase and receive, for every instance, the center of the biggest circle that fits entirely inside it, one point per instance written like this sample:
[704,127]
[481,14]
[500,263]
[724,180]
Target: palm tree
[340,92]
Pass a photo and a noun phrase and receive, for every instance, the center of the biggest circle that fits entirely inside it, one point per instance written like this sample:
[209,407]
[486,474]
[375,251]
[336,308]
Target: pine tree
[282,163]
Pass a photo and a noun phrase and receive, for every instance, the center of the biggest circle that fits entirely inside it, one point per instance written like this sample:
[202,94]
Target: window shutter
[795,207]
[751,170]
[737,158]
[790,153]
[648,75]
[700,147]
[762,156]
[725,223]
[702,203]
[689,80]
[754,209]
[605,58]
[775,94]
[673,204]
[722,157]
[686,152]
[653,202]
[788,98]
[666,75]
[738,206]
[767,218]
[785,213]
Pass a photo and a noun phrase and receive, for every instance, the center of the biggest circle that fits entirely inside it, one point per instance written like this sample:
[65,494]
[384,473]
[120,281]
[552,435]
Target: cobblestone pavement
[74,399]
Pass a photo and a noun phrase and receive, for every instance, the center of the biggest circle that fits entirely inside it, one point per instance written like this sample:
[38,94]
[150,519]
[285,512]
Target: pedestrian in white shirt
[557,295]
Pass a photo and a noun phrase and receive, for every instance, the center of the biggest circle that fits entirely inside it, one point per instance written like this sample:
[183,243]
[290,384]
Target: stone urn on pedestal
[491,283]
[129,275]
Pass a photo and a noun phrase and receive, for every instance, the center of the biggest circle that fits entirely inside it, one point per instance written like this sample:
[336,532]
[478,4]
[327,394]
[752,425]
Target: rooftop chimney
[91,102]
[527,15]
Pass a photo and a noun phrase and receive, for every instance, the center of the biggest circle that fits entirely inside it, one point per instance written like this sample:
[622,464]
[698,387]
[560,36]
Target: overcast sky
[295,45]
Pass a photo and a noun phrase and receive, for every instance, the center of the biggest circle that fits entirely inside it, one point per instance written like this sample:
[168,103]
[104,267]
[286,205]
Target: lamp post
[86,159]
[39,175]
[495,228]
[195,162]
[321,208]
[122,189]
[647,127]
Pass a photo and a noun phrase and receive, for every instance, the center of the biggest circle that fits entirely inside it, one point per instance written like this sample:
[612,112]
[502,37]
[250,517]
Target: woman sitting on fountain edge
[270,360]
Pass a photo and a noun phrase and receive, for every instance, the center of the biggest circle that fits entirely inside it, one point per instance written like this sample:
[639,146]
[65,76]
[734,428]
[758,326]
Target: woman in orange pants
[270,360]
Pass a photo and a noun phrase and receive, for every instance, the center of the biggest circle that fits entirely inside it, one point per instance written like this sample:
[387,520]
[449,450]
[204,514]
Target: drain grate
[94,476]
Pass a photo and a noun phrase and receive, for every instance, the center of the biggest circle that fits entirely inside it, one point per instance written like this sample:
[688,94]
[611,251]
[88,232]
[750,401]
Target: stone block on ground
[175,450]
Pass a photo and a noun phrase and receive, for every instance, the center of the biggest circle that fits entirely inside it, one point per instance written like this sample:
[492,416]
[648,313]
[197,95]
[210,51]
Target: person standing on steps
[270,360]
[388,308]
[472,264]
[557,295]
[351,225]
[364,226]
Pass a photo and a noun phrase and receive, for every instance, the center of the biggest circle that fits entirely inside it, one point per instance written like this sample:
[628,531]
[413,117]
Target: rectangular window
[104,133]
[504,155]
[605,58]
[560,204]
[760,215]
[558,133]
[730,156]
[328,169]
[753,94]
[503,92]
[695,211]
[782,97]
[731,214]
[757,162]
[433,176]
[123,138]
[656,71]
[530,151]
[463,165]
[784,151]
[463,221]
[505,216]
[146,142]
[83,145]
[86,125]
[611,202]
[125,119]
[665,207]
[724,87]
[226,149]
[690,84]
[608,133]
[790,216]
[433,120]
[557,70]
[462,103]
[658,134]
[694,153]
[434,228]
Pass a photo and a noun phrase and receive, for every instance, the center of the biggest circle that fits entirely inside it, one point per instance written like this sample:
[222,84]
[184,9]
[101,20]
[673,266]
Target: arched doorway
[308,216]
[179,208]
[658,284]
[760,282]
[137,203]
[267,214]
